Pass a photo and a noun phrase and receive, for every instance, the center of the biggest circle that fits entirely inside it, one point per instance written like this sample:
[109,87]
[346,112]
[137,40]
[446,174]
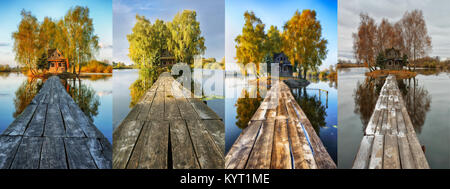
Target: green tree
[303,42]
[186,40]
[250,44]
[83,43]
[26,41]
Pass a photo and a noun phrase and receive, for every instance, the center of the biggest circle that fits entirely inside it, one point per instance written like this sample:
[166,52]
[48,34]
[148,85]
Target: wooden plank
[157,109]
[19,125]
[83,121]
[182,150]
[281,157]
[376,157]
[101,152]
[71,127]
[28,154]
[391,159]
[321,155]
[124,142]
[406,157]
[261,154]
[145,106]
[171,110]
[202,109]
[78,155]
[420,160]
[187,111]
[53,155]
[36,127]
[208,153]
[151,150]
[239,153]
[8,149]
[363,155]
[54,126]
[216,129]
[302,153]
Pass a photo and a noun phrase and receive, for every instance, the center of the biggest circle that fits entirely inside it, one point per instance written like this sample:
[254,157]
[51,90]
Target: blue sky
[100,12]
[276,13]
[210,14]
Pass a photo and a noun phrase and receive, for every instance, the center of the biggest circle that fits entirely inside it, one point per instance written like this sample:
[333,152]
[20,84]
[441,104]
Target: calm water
[426,98]
[322,112]
[128,89]
[93,93]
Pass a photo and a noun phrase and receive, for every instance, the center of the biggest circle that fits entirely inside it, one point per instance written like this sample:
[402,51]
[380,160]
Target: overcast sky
[275,12]
[99,11]
[210,14]
[436,14]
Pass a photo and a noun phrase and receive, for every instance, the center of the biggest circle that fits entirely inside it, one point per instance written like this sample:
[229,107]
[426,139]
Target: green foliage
[26,41]
[186,40]
[250,44]
[73,35]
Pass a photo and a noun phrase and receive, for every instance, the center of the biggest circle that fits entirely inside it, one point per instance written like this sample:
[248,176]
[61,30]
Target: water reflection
[84,95]
[25,93]
[312,106]
[246,107]
[141,85]
[417,99]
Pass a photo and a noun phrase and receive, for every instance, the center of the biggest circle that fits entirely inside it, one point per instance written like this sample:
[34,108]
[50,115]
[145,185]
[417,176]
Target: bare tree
[417,43]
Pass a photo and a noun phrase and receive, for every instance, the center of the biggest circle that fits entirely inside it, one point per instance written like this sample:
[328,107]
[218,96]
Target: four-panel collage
[224,84]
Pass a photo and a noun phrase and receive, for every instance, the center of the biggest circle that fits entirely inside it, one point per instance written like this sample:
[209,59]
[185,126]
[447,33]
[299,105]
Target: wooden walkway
[390,141]
[53,133]
[279,136]
[169,129]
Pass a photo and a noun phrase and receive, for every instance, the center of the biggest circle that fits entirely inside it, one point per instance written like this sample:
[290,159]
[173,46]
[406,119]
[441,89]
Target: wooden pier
[390,141]
[168,129]
[53,133]
[279,136]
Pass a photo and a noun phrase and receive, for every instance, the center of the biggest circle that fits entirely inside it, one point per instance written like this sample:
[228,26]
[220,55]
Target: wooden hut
[57,63]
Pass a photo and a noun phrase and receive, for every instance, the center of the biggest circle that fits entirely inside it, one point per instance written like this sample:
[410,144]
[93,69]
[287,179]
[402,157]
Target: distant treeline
[7,68]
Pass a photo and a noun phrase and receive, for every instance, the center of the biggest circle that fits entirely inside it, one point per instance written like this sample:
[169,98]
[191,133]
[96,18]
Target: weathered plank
[124,141]
[261,154]
[53,155]
[78,154]
[28,154]
[8,148]
[363,155]
[183,153]
[208,153]
[36,127]
[54,126]
[238,155]
[155,137]
[376,160]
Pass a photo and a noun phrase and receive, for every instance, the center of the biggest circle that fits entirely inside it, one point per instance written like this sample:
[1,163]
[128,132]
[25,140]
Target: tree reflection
[84,95]
[312,106]
[417,99]
[141,85]
[246,107]
[25,93]
[365,96]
